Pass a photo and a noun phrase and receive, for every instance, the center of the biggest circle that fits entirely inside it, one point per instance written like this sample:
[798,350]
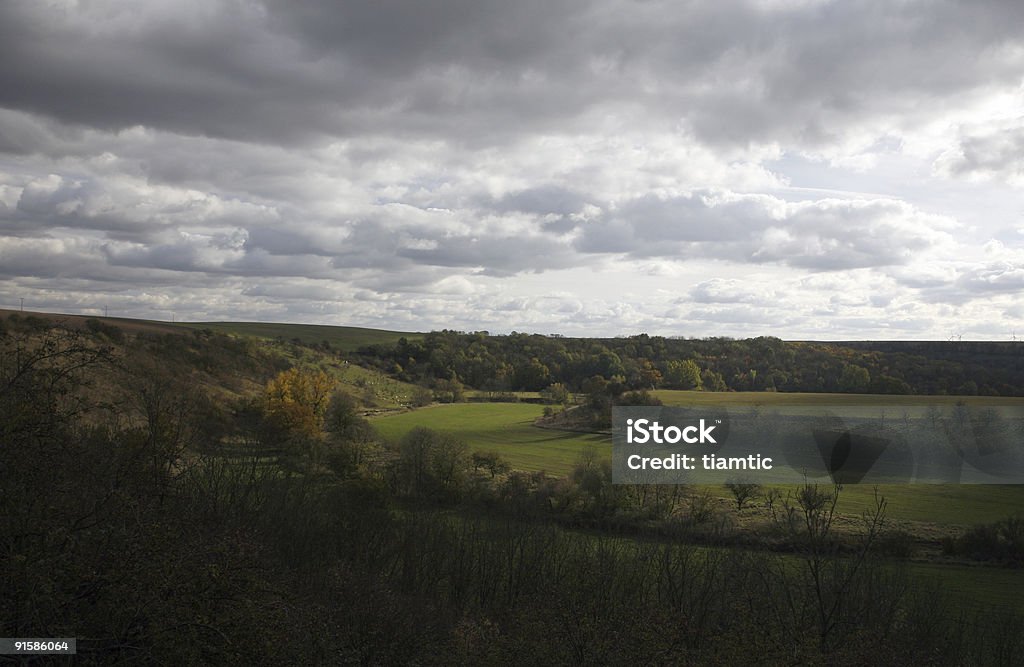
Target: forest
[531,362]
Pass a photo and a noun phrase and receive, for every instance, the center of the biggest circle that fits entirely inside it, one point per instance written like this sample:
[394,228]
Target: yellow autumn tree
[297,400]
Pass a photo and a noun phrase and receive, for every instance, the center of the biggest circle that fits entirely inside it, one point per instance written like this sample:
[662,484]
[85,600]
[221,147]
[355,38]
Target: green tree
[556,393]
[742,490]
[683,374]
[887,384]
[431,464]
[533,376]
[491,462]
[449,391]
[713,381]
[854,379]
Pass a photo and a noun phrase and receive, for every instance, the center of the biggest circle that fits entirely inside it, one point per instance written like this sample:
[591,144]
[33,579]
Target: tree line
[532,362]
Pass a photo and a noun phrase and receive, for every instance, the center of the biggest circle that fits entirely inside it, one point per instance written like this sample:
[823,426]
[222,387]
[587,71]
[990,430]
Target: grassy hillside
[344,339]
[221,360]
[370,387]
[128,325]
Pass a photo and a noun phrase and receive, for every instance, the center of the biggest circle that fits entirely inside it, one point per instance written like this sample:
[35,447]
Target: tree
[593,477]
[421,397]
[350,436]
[742,490]
[448,391]
[647,376]
[854,379]
[556,393]
[491,462]
[969,388]
[533,376]
[887,384]
[683,374]
[832,577]
[642,397]
[431,464]
[596,389]
[296,401]
[169,410]
[713,381]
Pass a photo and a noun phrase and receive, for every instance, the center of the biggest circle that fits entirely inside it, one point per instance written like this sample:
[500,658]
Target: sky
[804,169]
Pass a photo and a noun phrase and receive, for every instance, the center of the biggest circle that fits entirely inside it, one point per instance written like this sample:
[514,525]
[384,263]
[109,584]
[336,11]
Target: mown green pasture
[892,405]
[942,504]
[506,428]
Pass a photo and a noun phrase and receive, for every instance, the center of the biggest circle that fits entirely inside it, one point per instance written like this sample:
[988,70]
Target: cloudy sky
[797,168]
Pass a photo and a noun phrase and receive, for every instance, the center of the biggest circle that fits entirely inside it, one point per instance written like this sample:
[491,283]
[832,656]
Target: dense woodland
[525,362]
[198,498]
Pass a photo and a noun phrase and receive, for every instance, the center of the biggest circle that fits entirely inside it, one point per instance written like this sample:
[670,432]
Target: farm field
[507,428]
[769,399]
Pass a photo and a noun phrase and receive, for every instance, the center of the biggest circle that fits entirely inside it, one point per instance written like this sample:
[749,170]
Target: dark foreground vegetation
[163,517]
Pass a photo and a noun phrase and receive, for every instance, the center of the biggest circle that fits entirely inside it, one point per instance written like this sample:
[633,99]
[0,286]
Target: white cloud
[801,167]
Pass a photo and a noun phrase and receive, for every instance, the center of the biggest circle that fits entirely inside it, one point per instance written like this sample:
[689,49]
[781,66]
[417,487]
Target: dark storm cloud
[820,235]
[999,154]
[399,37]
[542,200]
[182,256]
[23,134]
[496,255]
[279,241]
[199,68]
[123,208]
[486,71]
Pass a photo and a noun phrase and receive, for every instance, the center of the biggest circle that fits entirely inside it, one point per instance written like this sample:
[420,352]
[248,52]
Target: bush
[421,397]
[114,334]
[895,544]
[1001,541]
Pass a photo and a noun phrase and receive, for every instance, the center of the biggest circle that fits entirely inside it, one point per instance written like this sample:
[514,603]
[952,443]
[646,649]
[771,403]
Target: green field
[782,400]
[506,428]
[346,339]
